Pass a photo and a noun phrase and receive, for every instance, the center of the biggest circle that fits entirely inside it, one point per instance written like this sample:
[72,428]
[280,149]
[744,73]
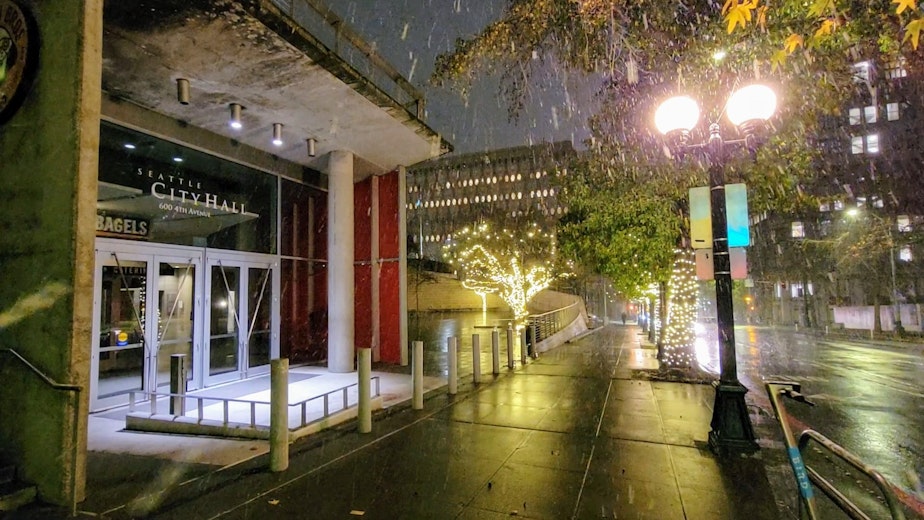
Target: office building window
[855,116]
[904,223]
[856,144]
[892,111]
[798,230]
[904,254]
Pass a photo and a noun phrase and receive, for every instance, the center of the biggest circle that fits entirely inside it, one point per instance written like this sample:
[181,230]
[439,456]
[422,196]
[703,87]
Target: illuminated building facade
[509,187]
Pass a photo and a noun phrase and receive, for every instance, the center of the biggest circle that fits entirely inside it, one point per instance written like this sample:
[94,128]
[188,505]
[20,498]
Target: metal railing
[332,32]
[806,475]
[833,493]
[74,391]
[328,407]
[549,323]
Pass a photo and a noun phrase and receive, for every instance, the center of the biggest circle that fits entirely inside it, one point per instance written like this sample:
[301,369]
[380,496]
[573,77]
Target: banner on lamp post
[736,211]
[700,218]
[736,208]
[705,264]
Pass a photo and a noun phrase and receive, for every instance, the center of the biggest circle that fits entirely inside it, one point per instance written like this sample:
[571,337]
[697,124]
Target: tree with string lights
[679,335]
[514,264]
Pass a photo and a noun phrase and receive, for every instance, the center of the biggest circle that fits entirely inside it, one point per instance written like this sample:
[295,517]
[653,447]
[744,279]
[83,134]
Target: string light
[516,267]
[680,335]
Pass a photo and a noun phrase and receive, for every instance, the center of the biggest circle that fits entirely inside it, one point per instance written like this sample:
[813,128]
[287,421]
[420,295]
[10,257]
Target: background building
[507,187]
[859,249]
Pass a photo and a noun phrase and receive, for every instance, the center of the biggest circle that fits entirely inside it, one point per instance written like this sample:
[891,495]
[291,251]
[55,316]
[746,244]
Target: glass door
[121,328]
[224,307]
[259,336]
[240,321]
[177,309]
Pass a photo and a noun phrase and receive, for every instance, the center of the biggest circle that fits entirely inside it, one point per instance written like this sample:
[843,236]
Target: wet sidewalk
[576,434]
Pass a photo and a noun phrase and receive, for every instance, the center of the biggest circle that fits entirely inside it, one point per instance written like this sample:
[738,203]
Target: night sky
[411,33]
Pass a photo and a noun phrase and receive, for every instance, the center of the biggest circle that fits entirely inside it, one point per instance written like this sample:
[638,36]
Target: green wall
[48,167]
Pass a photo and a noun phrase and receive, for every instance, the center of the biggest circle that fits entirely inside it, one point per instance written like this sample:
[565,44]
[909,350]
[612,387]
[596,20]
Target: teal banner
[736,206]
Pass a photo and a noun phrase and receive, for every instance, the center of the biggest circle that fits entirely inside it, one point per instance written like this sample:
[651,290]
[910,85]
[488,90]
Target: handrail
[833,493]
[572,304]
[74,390]
[49,381]
[805,475]
[251,403]
[549,323]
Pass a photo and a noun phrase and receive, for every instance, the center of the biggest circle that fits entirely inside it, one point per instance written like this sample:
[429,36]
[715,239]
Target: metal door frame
[152,255]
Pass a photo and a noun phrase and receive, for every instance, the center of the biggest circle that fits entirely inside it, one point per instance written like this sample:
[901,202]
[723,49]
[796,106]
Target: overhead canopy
[260,58]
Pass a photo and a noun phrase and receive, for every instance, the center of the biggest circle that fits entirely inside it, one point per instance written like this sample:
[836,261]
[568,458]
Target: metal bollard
[178,384]
[523,353]
[279,414]
[476,358]
[417,375]
[495,352]
[453,358]
[364,387]
[510,345]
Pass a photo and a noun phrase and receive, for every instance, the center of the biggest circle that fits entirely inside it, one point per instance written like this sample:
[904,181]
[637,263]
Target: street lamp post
[748,108]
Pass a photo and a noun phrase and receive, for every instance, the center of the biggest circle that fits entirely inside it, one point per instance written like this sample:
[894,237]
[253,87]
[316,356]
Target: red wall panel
[390,334]
[390,316]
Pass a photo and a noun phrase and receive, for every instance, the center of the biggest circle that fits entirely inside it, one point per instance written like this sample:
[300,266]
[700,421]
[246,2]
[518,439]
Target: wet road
[868,397]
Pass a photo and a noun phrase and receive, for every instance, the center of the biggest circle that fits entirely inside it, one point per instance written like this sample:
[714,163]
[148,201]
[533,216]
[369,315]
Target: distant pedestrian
[624,317]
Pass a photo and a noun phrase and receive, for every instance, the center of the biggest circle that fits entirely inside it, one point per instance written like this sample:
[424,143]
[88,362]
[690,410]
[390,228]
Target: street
[868,397]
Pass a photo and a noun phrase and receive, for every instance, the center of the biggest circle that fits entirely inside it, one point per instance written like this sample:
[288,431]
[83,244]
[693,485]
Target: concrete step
[14,494]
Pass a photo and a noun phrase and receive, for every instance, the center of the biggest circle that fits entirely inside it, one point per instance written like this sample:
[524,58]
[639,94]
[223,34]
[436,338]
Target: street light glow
[751,103]
[677,113]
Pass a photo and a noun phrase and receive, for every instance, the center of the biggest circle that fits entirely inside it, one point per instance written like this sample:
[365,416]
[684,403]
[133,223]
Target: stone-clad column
[340,279]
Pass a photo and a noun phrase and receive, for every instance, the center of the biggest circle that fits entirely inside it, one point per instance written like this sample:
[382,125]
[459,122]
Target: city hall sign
[18,56]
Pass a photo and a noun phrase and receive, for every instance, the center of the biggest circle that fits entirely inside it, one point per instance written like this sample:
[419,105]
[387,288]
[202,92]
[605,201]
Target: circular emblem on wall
[18,56]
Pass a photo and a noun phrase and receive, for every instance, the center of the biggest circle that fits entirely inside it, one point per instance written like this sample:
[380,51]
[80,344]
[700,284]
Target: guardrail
[549,323]
[328,407]
[73,390]
[332,32]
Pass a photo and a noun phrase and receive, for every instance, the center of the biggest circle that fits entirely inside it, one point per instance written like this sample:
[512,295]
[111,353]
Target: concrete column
[523,352]
[453,361]
[279,414]
[402,261]
[365,390]
[510,334]
[340,277]
[48,181]
[476,358]
[495,352]
[417,376]
[375,268]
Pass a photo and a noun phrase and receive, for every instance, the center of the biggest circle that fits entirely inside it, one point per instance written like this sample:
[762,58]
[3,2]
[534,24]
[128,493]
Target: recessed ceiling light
[277,134]
[177,159]
[235,121]
[130,146]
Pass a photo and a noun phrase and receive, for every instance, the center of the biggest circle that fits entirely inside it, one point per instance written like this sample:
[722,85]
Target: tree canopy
[626,197]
